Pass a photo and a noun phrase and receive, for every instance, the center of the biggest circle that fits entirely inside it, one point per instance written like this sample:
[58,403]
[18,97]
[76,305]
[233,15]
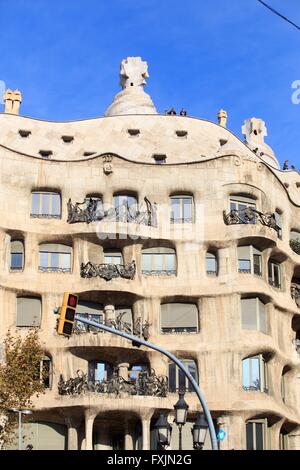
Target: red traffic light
[72,301]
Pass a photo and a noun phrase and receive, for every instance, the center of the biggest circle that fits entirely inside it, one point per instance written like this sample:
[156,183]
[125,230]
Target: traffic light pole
[173,358]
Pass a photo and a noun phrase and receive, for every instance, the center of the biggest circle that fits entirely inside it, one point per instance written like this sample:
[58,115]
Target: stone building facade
[168,226]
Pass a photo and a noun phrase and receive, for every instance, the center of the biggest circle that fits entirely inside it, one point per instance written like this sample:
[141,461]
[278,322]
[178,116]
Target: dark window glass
[16,261]
[259,436]
[257,264]
[249,436]
[172,377]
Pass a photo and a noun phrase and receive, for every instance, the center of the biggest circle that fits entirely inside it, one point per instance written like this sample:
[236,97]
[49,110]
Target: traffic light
[66,314]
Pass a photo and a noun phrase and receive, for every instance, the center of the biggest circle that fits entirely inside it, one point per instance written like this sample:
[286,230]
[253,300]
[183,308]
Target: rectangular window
[16,262]
[158,261]
[249,259]
[46,205]
[178,380]
[181,209]
[55,258]
[256,434]
[179,318]
[253,315]
[113,258]
[274,274]
[255,374]
[241,205]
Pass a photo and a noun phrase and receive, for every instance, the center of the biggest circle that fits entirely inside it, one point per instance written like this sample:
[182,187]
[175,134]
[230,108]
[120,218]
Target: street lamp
[199,432]
[20,412]
[181,409]
[164,431]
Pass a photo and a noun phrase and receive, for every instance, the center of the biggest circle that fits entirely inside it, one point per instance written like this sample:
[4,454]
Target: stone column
[72,426]
[146,433]
[123,370]
[89,418]
[109,314]
[128,438]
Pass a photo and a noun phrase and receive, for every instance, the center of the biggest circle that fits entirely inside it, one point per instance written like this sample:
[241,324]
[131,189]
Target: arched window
[45,204]
[255,374]
[55,257]
[179,318]
[181,209]
[28,311]
[16,255]
[211,264]
[158,261]
[178,380]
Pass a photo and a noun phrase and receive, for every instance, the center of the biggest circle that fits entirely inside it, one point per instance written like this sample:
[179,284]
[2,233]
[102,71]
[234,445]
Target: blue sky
[64,56]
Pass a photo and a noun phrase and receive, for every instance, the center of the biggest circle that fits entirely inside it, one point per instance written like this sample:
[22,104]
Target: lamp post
[181,409]
[199,432]
[163,430]
[20,412]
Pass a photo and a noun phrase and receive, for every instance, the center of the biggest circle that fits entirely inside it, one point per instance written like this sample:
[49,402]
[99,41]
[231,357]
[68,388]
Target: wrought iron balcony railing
[295,292]
[138,328]
[146,384]
[50,269]
[179,330]
[159,272]
[251,216]
[45,216]
[108,271]
[91,210]
[295,245]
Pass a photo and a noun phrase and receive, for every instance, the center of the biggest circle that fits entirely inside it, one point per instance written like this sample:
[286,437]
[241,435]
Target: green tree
[21,378]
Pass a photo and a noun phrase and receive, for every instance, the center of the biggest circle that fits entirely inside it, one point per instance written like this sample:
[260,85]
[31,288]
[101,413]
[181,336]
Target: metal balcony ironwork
[108,271]
[249,215]
[295,292]
[137,328]
[91,210]
[159,272]
[45,216]
[295,245]
[52,269]
[146,384]
[179,330]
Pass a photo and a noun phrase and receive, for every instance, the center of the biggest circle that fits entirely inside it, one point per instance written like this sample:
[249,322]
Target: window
[249,260]
[125,207]
[179,318]
[295,241]
[67,139]
[158,261]
[283,440]
[45,205]
[123,317]
[55,258]
[16,255]
[24,133]
[113,257]
[45,153]
[181,209]
[282,387]
[253,315]
[255,374]
[136,370]
[178,380]
[28,311]
[256,434]
[91,311]
[99,371]
[211,264]
[160,159]
[46,372]
[274,274]
[240,204]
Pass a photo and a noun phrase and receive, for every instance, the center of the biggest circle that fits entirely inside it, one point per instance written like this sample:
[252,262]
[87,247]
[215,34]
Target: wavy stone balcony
[146,384]
[108,271]
[251,216]
[92,210]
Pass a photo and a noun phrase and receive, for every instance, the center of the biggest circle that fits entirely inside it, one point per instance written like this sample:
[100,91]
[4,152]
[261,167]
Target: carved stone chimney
[222,117]
[12,101]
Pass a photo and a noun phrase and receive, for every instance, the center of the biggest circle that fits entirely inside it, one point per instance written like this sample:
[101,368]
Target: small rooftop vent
[181,133]
[159,158]
[134,132]
[67,138]
[24,133]
[88,154]
[45,153]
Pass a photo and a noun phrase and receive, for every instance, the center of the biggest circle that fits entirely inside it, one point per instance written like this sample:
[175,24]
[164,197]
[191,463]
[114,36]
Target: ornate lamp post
[199,432]
[20,412]
[181,409]
[164,431]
